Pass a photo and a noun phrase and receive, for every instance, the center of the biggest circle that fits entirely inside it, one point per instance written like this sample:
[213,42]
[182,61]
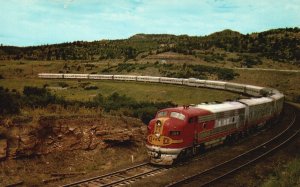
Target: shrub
[130,107]
[29,90]
[84,84]
[91,87]
[63,84]
[226,74]
[9,102]
[251,61]
[40,97]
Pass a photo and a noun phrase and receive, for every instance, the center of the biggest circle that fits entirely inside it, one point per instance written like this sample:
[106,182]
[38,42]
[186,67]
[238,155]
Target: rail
[120,176]
[261,149]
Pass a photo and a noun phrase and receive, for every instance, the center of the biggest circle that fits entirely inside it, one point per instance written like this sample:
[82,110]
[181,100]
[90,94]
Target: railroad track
[131,174]
[222,170]
[121,177]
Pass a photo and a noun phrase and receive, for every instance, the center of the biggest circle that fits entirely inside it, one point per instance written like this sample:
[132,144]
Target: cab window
[162,114]
[177,115]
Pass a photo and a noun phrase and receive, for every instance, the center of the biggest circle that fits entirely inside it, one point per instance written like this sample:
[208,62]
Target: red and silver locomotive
[184,131]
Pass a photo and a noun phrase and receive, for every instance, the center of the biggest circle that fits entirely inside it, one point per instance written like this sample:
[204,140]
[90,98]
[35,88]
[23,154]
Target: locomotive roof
[188,111]
[221,107]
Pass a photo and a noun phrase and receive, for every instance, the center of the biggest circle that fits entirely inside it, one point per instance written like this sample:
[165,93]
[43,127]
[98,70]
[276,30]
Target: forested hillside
[277,44]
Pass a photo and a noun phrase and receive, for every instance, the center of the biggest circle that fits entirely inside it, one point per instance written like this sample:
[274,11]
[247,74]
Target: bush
[251,61]
[29,90]
[145,114]
[40,97]
[91,87]
[130,107]
[226,74]
[9,102]
[63,84]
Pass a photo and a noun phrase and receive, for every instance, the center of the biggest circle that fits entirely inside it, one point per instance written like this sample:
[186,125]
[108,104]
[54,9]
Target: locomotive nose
[160,126]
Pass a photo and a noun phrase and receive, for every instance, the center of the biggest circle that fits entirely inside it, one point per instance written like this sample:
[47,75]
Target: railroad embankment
[48,134]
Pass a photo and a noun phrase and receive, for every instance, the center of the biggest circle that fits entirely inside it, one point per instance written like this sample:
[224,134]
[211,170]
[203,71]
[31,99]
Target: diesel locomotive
[184,131]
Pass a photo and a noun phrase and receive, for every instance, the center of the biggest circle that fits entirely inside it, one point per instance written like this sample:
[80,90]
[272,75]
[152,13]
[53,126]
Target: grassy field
[17,74]
[139,91]
[286,82]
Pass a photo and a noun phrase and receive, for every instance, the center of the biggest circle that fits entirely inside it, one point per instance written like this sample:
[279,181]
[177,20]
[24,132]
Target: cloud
[33,22]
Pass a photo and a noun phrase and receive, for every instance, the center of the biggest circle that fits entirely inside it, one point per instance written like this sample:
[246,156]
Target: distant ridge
[151,36]
[281,44]
[225,33]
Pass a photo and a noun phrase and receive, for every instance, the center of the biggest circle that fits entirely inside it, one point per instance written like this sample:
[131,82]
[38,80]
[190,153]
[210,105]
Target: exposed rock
[118,137]
[3,149]
[27,145]
[49,134]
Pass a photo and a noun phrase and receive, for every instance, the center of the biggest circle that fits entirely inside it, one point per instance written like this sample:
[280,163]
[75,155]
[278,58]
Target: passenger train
[184,131]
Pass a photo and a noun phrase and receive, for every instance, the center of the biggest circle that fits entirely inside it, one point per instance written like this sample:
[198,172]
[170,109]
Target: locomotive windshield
[177,115]
[162,114]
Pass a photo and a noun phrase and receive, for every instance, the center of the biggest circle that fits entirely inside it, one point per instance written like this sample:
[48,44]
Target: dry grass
[139,91]
[288,83]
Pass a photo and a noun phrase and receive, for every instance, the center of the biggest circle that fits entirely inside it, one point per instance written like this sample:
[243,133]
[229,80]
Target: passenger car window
[177,115]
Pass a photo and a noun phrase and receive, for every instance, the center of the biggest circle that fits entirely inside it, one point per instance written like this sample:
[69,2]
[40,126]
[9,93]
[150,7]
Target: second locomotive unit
[184,131]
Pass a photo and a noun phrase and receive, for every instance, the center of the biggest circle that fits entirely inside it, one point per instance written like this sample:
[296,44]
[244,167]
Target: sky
[39,22]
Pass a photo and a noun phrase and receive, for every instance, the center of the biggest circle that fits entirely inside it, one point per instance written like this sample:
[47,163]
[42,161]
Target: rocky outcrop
[3,149]
[118,137]
[50,134]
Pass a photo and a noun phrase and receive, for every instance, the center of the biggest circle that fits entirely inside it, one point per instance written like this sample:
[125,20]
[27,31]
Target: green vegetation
[276,44]
[9,102]
[143,110]
[179,71]
[40,97]
[286,82]
[288,175]
[140,100]
[152,92]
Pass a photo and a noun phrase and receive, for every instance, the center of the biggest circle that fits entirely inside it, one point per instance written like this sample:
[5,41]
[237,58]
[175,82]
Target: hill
[277,44]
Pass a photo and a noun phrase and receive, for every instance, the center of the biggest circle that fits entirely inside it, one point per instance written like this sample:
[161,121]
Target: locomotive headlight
[174,133]
[158,123]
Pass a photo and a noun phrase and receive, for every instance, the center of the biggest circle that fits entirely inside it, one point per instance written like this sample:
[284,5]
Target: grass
[18,74]
[287,175]
[286,82]
[139,91]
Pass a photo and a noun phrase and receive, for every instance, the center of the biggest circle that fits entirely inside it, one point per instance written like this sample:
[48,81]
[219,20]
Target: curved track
[123,176]
[219,171]
[202,178]
[214,173]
